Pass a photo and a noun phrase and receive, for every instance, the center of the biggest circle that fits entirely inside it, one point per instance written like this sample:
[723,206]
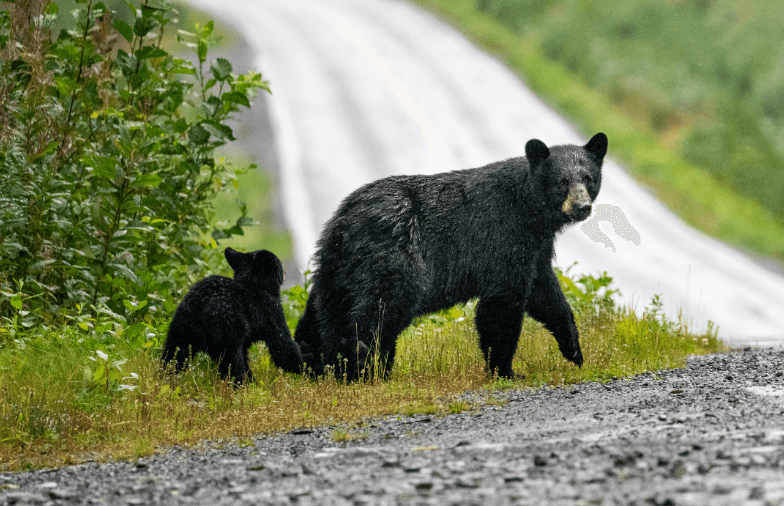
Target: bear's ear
[597,146]
[235,258]
[537,152]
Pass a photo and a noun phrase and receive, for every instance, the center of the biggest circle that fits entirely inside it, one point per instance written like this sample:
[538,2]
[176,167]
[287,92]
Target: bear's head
[260,267]
[569,176]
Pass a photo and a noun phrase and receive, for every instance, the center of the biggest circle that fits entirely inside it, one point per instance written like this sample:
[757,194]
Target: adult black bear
[404,246]
[223,317]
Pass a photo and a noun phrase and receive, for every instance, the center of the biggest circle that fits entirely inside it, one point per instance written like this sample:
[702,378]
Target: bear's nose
[581,210]
[577,205]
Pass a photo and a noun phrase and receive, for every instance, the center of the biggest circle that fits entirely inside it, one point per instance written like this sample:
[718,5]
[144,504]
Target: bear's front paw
[577,358]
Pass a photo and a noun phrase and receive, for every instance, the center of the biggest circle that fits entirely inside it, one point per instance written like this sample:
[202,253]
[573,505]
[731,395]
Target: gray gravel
[712,433]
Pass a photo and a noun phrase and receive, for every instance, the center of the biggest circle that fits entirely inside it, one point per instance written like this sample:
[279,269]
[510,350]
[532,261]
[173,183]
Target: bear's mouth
[579,213]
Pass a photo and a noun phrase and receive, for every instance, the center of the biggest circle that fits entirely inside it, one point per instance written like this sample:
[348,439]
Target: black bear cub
[404,246]
[223,317]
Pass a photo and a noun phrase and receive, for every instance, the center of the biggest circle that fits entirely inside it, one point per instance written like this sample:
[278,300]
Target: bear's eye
[588,179]
[564,182]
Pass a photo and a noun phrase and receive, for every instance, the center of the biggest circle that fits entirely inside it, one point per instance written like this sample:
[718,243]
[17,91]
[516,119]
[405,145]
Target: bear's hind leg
[388,321]
[370,341]
[232,363]
[307,339]
[178,353]
[499,321]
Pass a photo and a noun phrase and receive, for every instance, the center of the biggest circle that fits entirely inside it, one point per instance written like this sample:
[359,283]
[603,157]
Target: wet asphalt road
[709,434]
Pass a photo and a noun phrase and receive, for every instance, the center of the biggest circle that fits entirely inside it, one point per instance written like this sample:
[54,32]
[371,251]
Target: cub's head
[258,267]
[569,176]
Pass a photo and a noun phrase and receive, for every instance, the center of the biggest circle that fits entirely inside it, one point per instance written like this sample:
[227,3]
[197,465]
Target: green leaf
[236,97]
[150,52]
[149,10]
[180,126]
[213,105]
[66,85]
[16,301]
[123,28]
[202,50]
[218,130]
[221,69]
[143,26]
[49,149]
[208,28]
[134,331]
[103,166]
[197,134]
[130,306]
[153,180]
[126,62]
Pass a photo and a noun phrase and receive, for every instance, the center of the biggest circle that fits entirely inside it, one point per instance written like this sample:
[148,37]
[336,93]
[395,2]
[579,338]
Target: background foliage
[706,76]
[107,161]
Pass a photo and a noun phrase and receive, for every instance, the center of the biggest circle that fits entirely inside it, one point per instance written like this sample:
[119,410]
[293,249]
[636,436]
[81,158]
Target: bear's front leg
[499,321]
[547,304]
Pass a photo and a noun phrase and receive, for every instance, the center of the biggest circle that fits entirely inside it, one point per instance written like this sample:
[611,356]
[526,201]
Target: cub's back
[215,296]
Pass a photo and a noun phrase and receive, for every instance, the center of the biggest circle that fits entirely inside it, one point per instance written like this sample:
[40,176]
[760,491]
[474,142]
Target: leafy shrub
[107,160]
[587,293]
[294,301]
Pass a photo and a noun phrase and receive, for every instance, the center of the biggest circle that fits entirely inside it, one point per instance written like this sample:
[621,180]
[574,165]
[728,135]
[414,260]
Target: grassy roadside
[688,190]
[70,396]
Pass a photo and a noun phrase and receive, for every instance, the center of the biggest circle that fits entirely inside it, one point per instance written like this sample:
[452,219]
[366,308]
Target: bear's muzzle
[577,205]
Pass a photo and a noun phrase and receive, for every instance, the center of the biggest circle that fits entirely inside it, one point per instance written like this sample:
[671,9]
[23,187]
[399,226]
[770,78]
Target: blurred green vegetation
[254,191]
[707,75]
[689,94]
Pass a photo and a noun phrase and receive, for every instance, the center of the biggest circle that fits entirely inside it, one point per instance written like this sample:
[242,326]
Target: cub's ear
[537,152]
[597,146]
[235,258]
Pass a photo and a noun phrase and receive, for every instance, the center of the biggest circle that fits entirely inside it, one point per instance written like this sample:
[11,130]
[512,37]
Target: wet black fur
[223,317]
[405,246]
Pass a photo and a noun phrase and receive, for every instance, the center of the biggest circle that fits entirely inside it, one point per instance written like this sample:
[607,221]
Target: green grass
[67,395]
[652,154]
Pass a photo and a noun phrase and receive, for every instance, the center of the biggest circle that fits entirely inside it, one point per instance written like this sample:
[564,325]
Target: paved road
[368,88]
[710,434]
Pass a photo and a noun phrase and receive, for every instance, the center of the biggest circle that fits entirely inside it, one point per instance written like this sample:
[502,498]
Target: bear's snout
[577,205]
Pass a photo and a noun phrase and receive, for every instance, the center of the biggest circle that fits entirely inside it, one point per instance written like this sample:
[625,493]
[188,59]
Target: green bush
[107,160]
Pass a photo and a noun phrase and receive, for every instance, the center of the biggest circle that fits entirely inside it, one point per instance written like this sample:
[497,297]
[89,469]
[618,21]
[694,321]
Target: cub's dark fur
[409,245]
[223,317]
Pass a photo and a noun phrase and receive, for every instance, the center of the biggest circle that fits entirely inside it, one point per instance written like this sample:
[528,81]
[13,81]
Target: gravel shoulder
[712,433]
